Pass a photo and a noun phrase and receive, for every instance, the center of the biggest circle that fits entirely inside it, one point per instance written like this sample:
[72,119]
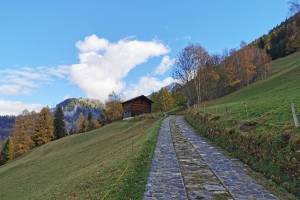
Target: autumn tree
[113,107]
[92,123]
[179,98]
[162,100]
[81,124]
[204,77]
[59,124]
[44,128]
[166,99]
[247,65]
[22,132]
[7,152]
[188,71]
[209,78]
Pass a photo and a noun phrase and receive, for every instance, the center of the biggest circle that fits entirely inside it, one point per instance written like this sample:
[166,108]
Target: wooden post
[246,109]
[294,114]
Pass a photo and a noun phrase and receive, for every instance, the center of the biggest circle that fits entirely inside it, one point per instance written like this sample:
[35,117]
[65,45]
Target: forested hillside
[73,107]
[283,40]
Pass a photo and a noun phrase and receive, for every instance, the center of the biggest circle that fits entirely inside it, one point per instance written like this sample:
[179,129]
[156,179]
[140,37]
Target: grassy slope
[85,166]
[266,101]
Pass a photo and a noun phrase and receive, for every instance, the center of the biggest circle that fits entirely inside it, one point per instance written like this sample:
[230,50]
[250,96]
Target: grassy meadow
[267,102]
[112,162]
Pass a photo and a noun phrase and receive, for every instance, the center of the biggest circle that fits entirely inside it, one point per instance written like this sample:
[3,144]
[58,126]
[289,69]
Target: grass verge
[133,184]
[238,146]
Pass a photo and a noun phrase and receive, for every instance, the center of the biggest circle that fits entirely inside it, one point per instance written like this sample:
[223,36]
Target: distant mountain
[74,106]
[6,124]
[172,87]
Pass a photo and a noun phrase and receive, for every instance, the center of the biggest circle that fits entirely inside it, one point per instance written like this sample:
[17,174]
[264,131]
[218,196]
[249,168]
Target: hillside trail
[185,166]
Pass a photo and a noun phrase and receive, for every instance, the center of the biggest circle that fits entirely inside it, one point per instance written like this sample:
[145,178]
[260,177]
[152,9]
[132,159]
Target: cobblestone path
[185,166]
[200,182]
[230,171]
[165,181]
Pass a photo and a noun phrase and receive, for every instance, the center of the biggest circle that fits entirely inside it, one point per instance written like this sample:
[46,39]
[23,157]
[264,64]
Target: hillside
[255,124]
[283,39]
[100,163]
[266,101]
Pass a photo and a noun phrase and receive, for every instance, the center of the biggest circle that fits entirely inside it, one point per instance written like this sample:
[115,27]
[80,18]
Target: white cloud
[101,69]
[165,64]
[16,107]
[103,65]
[24,80]
[92,43]
[146,85]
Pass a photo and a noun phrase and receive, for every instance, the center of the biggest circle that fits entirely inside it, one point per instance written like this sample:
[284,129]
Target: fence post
[246,109]
[293,107]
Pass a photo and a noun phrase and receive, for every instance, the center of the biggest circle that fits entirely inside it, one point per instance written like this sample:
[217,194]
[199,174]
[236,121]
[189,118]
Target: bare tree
[294,6]
[187,70]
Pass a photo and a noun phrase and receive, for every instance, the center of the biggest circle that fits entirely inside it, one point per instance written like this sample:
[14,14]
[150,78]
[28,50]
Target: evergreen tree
[7,152]
[92,123]
[59,124]
[90,116]
[44,128]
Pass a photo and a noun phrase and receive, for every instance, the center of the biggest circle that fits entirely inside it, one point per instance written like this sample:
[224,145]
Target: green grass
[94,165]
[267,102]
[272,146]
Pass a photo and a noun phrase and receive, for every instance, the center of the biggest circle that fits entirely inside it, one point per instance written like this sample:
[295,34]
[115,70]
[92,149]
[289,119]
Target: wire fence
[273,114]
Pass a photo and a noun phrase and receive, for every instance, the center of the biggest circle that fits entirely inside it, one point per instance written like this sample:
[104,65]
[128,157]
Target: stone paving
[185,166]
[200,182]
[229,171]
[165,181]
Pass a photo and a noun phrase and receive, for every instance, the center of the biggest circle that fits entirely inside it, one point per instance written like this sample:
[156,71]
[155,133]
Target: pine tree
[7,152]
[59,124]
[44,128]
[90,122]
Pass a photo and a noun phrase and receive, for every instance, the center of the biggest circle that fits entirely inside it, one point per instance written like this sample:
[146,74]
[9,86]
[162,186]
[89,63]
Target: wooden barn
[136,106]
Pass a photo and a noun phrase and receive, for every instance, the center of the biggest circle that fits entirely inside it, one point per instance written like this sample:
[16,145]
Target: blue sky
[39,58]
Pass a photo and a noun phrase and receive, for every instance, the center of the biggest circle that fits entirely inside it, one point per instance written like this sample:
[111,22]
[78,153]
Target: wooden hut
[136,106]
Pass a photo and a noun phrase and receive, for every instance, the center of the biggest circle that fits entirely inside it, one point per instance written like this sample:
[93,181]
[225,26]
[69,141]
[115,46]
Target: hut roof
[143,97]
